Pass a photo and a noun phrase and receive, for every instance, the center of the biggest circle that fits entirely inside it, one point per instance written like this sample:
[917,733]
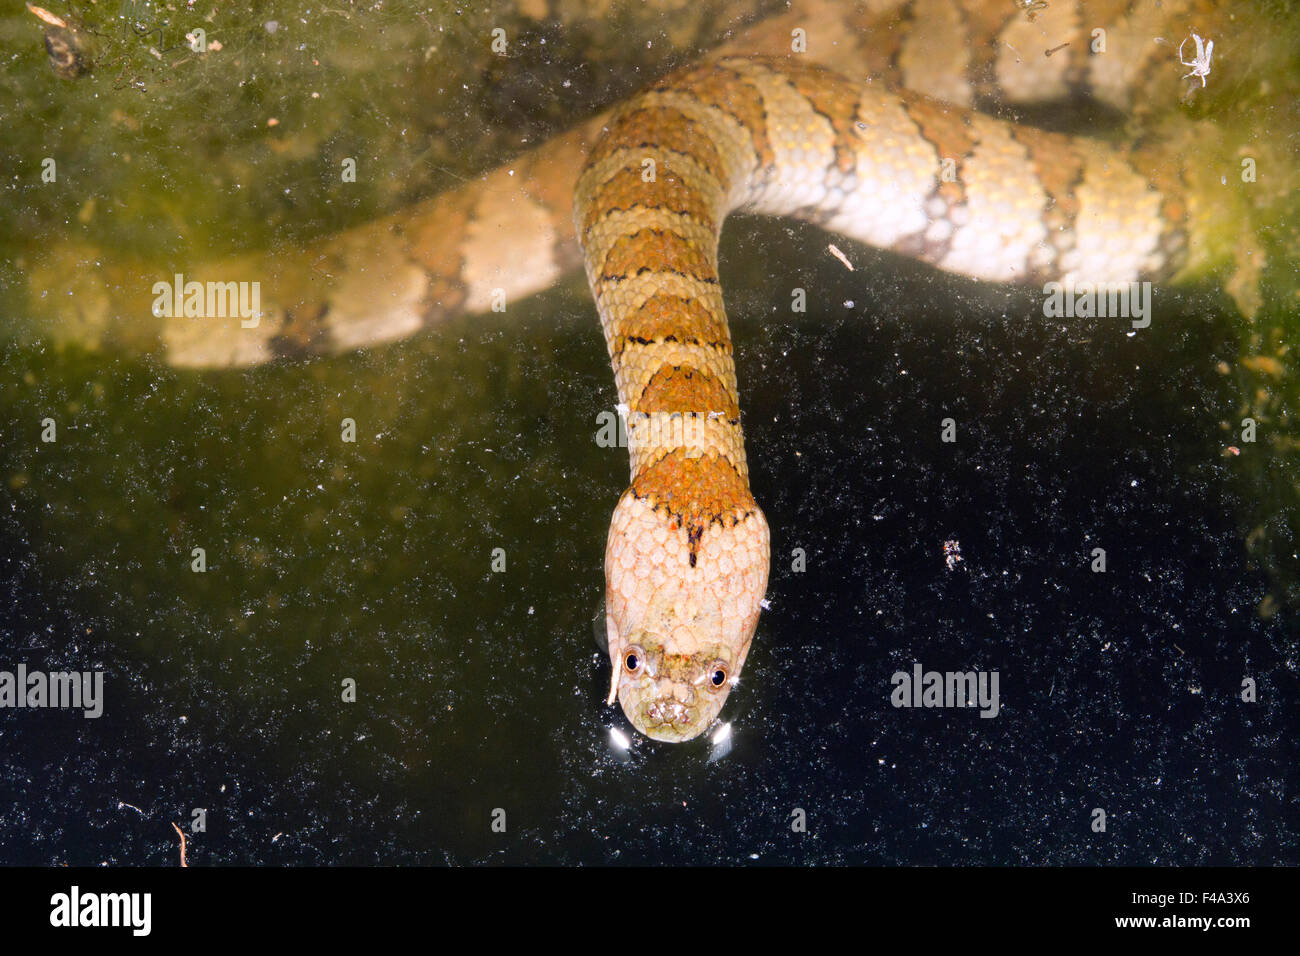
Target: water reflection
[720,743]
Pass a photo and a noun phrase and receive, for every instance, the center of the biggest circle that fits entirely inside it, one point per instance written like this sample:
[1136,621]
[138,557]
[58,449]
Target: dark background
[477,691]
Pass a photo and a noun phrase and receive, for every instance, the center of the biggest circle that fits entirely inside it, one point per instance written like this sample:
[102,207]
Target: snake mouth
[668,712]
[670,720]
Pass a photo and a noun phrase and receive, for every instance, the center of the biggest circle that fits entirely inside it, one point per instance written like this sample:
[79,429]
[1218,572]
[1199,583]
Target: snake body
[687,558]
[638,196]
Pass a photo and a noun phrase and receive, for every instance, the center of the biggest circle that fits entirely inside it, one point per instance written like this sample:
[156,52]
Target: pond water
[479,693]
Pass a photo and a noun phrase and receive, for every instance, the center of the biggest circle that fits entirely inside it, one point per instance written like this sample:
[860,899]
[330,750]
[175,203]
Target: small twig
[181,833]
[1056,48]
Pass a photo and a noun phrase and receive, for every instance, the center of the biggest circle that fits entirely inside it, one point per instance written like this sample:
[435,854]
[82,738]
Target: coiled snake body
[647,189]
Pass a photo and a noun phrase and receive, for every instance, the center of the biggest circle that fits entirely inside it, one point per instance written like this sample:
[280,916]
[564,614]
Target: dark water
[481,691]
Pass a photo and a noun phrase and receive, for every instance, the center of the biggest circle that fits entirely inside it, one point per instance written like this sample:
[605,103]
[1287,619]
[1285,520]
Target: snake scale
[872,134]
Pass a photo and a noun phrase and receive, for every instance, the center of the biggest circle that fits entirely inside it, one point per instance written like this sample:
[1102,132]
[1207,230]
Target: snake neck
[687,557]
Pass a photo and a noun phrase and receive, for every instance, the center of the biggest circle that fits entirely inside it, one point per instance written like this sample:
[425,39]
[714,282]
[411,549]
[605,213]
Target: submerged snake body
[687,558]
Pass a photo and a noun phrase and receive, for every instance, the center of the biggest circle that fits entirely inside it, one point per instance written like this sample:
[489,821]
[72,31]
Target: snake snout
[674,707]
[669,719]
[668,712]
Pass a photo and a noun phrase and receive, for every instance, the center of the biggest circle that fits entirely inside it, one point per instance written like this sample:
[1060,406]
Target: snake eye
[633,660]
[718,675]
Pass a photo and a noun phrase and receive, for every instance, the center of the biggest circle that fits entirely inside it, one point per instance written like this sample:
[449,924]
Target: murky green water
[370,561]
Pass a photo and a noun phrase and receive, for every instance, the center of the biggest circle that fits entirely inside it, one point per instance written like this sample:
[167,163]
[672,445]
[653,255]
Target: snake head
[681,609]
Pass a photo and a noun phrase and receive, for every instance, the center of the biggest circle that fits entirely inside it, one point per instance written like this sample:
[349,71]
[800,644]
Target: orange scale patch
[835,99]
[437,243]
[945,128]
[658,128]
[728,92]
[627,190]
[1057,164]
[696,492]
[985,24]
[680,388]
[879,55]
[662,317]
[658,250]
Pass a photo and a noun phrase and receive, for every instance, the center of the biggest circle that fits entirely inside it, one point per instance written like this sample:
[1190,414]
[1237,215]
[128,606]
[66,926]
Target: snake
[687,558]
[869,127]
